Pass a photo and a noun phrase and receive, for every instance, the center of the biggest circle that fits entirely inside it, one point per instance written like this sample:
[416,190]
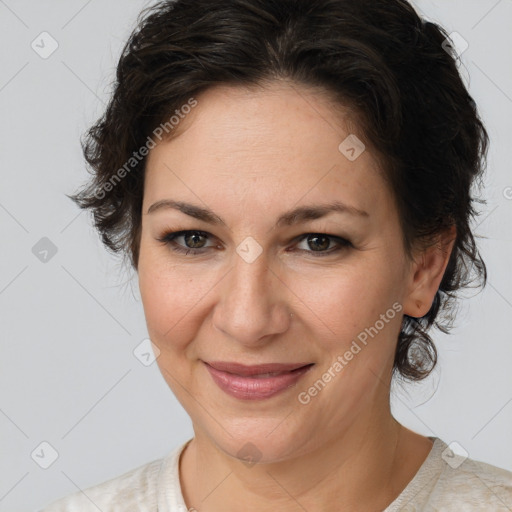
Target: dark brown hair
[397,71]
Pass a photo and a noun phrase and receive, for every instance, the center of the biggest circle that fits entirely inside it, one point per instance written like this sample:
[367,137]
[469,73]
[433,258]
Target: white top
[445,481]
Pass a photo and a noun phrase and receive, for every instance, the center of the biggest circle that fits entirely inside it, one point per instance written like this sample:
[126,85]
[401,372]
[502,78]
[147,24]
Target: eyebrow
[295,216]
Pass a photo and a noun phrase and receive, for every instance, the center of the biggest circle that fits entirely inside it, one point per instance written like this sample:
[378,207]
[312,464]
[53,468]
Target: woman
[291,180]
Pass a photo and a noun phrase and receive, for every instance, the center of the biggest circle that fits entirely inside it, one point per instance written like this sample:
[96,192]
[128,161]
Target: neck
[361,468]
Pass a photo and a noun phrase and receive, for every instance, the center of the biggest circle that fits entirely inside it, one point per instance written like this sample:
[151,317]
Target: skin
[251,155]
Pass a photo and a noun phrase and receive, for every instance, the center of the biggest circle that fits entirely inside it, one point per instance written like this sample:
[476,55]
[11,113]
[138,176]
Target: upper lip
[246,370]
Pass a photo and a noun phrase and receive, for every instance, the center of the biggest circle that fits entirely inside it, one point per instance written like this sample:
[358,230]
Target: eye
[194,242]
[320,242]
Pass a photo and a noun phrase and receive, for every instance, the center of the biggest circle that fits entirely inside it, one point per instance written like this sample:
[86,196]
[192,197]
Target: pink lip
[242,381]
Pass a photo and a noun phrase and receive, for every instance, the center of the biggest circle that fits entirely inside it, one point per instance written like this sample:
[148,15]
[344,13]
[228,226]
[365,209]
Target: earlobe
[426,274]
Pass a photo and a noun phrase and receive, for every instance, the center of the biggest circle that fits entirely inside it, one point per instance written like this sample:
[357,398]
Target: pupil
[193,246]
[325,245]
[316,246]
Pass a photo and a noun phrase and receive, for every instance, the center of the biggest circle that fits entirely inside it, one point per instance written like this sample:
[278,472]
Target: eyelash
[168,239]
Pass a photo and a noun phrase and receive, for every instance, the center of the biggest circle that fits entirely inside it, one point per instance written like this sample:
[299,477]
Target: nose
[252,306]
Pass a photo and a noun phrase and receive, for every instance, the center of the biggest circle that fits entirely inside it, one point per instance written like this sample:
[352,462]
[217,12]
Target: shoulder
[451,482]
[476,484]
[134,490]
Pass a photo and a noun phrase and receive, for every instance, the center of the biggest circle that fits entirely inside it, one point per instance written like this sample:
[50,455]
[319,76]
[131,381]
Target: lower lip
[251,388]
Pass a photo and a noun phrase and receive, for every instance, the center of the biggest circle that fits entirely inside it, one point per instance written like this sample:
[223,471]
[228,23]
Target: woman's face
[257,291]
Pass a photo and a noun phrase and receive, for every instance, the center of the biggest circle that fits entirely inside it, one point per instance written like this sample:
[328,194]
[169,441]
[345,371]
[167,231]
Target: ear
[426,274]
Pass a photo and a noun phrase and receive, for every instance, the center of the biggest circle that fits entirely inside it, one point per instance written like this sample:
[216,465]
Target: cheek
[169,312]
[343,303]
[172,297]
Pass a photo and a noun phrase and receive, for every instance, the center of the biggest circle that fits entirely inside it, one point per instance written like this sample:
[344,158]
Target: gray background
[68,375]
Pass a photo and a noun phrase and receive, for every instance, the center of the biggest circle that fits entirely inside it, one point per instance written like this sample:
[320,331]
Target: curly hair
[379,58]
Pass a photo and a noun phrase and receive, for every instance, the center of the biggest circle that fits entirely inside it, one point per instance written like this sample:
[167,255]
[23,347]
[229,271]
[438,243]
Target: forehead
[281,141]
[229,114]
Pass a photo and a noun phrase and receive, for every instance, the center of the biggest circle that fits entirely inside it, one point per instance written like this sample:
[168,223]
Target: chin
[263,442]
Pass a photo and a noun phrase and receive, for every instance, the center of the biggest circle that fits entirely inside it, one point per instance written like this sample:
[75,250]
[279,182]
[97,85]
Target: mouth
[256,382]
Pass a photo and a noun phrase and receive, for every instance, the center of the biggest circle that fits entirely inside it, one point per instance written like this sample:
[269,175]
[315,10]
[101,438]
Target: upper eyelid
[298,238]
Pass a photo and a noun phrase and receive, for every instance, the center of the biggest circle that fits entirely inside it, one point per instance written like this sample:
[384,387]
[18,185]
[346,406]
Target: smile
[256,382]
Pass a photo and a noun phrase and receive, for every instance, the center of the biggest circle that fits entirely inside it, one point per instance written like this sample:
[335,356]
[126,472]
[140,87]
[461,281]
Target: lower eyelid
[338,242]
[169,238]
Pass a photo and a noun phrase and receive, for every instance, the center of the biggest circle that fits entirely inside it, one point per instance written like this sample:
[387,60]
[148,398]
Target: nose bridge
[251,305]
[249,283]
